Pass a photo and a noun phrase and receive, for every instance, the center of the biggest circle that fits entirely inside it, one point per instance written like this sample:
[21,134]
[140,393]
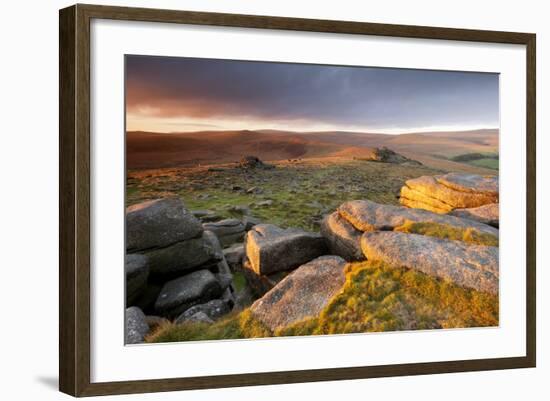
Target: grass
[487,163]
[378,298]
[374,298]
[300,193]
[486,160]
[234,326]
[448,232]
[239,281]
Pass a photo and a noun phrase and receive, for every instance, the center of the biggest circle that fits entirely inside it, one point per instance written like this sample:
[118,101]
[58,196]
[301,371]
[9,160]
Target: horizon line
[427,130]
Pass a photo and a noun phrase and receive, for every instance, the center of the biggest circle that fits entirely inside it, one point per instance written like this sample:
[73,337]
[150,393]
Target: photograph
[274,199]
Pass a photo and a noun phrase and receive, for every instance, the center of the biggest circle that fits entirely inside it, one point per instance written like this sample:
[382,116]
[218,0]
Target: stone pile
[180,269]
[365,230]
[445,193]
[271,251]
[172,265]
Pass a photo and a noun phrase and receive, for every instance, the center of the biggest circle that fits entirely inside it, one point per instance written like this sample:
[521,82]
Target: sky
[169,94]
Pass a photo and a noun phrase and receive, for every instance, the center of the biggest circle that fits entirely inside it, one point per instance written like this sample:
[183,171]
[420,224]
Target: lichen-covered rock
[387,155]
[182,293]
[415,199]
[252,162]
[473,183]
[261,283]
[159,223]
[137,271]
[487,214]
[136,325]
[213,309]
[228,231]
[214,244]
[443,193]
[234,256]
[365,215]
[181,257]
[469,266]
[302,294]
[342,238]
[271,249]
[199,317]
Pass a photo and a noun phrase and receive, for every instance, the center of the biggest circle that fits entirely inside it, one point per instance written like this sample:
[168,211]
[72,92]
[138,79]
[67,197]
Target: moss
[234,326]
[469,234]
[239,281]
[379,298]
[375,298]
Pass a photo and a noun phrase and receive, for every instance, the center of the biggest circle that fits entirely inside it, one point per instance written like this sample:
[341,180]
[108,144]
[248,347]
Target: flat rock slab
[365,215]
[137,271]
[419,200]
[136,325]
[302,294]
[228,231]
[159,223]
[443,193]
[234,256]
[213,309]
[473,183]
[487,214]
[469,266]
[271,249]
[182,293]
[181,257]
[343,239]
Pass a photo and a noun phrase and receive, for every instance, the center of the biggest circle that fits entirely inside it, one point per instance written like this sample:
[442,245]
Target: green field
[486,160]
[290,195]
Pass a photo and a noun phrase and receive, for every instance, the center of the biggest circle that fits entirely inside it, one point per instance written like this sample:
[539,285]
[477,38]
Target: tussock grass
[379,298]
[375,298]
[444,231]
[234,326]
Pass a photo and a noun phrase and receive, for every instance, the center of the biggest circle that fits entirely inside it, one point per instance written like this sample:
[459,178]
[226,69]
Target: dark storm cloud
[373,97]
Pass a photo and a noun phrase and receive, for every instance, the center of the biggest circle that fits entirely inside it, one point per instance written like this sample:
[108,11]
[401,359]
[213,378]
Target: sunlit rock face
[302,294]
[470,266]
[365,215]
[487,214]
[443,193]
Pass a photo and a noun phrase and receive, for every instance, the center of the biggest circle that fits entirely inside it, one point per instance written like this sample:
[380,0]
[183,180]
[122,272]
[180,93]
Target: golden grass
[233,326]
[379,298]
[375,298]
[444,231]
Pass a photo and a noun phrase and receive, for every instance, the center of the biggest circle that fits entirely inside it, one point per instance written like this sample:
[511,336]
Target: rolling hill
[146,150]
[152,150]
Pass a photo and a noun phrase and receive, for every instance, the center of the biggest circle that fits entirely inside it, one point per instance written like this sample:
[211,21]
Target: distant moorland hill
[146,150]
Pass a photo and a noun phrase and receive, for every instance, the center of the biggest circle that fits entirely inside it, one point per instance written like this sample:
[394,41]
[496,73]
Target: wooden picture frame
[74,204]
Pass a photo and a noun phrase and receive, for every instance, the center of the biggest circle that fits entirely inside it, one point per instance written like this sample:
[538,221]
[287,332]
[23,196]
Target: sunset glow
[184,95]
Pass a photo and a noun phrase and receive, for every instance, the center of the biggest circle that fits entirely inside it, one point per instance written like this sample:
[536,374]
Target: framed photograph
[249,200]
